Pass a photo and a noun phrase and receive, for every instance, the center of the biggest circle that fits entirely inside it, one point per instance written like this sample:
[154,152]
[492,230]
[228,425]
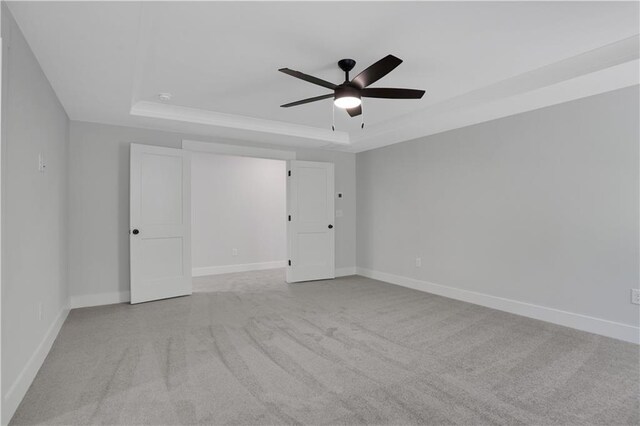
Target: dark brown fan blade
[389,93]
[355,111]
[306,101]
[376,71]
[309,78]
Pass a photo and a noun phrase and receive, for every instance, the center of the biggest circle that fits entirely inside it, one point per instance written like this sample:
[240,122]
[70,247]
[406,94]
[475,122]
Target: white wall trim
[244,267]
[345,272]
[19,388]
[86,300]
[238,150]
[600,326]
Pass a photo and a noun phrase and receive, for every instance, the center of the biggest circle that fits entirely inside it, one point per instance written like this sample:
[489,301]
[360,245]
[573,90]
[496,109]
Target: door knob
[135,232]
[330,226]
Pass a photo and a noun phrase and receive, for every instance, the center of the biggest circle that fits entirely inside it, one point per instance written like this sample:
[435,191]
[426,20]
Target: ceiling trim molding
[218,119]
[237,150]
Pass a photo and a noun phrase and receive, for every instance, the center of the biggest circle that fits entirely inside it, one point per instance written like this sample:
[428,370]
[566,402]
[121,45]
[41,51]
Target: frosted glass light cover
[347,102]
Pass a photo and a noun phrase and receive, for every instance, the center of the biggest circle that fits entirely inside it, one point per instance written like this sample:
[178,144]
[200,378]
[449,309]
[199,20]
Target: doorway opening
[238,214]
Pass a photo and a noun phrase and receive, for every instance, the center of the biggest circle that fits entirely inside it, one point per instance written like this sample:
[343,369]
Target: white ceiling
[107,61]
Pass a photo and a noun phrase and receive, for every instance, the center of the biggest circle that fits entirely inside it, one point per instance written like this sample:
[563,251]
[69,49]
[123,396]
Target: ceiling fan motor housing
[346,90]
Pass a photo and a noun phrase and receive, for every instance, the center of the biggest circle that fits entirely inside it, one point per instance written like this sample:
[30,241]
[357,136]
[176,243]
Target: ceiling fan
[349,94]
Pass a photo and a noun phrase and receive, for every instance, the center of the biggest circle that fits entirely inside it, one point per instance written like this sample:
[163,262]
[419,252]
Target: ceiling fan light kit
[346,97]
[349,94]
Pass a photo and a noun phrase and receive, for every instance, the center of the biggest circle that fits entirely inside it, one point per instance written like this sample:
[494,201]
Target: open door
[310,226]
[160,223]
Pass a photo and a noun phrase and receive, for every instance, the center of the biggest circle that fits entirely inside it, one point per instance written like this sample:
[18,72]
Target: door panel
[311,238]
[161,258]
[161,171]
[312,187]
[160,235]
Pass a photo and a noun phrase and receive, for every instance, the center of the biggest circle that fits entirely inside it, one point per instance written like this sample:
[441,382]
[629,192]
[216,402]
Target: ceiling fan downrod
[346,65]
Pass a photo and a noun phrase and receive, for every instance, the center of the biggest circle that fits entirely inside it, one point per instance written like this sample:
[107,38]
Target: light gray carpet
[348,351]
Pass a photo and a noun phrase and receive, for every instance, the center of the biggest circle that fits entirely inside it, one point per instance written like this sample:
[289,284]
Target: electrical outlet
[234,252]
[635,296]
[418,262]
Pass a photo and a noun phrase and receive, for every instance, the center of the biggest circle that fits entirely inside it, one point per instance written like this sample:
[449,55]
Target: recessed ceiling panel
[223,57]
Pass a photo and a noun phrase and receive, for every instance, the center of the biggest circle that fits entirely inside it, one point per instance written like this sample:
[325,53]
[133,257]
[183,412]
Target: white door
[160,223]
[310,229]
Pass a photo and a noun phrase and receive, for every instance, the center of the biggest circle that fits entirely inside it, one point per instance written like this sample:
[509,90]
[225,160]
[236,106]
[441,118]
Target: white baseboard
[19,387]
[345,272]
[600,326]
[245,267]
[99,299]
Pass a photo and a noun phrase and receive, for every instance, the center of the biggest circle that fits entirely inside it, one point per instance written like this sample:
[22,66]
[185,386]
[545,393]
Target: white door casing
[160,223]
[311,228]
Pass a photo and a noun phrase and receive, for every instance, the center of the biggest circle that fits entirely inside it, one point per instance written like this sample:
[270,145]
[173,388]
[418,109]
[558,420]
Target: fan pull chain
[362,115]
[333,113]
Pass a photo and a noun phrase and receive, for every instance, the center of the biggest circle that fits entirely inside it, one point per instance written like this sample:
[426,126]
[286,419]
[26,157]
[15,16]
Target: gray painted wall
[540,207]
[237,203]
[34,208]
[99,202]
